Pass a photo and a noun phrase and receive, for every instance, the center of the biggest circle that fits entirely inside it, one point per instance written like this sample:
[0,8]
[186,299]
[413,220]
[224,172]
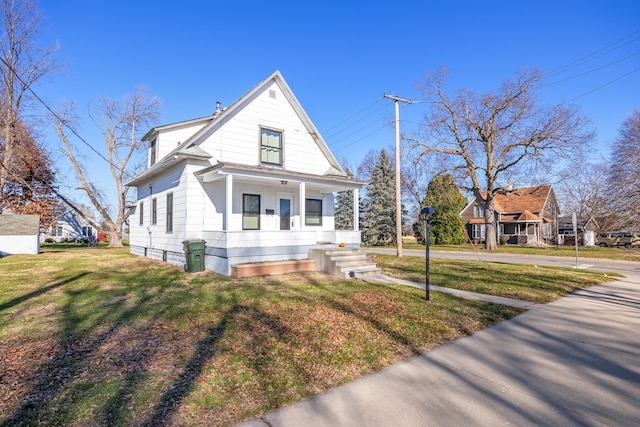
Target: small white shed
[19,234]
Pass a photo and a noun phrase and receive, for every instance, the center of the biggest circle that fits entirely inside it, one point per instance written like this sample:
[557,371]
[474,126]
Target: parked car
[620,238]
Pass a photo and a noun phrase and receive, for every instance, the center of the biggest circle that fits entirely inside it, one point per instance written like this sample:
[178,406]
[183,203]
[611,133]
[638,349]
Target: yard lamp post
[426,214]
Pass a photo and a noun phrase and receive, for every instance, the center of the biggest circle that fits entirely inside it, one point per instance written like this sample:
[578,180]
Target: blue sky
[339,57]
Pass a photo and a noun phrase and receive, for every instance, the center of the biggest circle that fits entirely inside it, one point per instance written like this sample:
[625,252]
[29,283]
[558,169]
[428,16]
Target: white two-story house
[255,181]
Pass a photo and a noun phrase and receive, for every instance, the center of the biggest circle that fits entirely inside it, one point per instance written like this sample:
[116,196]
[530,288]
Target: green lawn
[96,336]
[524,282]
[632,254]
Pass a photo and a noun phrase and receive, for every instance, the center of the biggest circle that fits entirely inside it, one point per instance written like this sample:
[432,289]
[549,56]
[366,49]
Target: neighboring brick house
[524,216]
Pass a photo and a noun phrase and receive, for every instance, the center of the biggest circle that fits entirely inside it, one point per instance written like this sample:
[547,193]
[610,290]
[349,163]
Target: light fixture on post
[426,214]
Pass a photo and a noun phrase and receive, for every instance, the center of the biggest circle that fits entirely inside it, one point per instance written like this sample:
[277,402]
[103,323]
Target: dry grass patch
[100,337]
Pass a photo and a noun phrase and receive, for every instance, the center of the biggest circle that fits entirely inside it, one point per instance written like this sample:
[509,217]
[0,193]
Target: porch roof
[328,182]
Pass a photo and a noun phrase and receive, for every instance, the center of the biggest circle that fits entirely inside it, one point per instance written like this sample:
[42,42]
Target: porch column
[303,198]
[228,202]
[356,210]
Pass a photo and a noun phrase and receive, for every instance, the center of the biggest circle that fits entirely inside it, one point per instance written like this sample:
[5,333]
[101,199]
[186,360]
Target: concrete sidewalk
[575,361]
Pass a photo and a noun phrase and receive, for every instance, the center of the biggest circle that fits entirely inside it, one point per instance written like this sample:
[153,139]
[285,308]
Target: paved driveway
[574,362]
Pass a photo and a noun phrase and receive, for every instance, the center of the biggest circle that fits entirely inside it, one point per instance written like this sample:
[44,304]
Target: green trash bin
[194,252]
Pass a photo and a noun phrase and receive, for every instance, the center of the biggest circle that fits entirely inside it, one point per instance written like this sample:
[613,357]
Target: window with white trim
[313,212]
[478,231]
[170,213]
[152,151]
[270,146]
[251,212]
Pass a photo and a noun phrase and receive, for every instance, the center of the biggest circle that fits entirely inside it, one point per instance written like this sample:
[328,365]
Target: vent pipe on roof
[218,109]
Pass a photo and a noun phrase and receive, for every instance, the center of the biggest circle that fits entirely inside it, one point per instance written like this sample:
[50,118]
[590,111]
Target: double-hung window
[141,213]
[270,146]
[154,211]
[313,212]
[478,231]
[152,151]
[170,213]
[478,211]
[250,212]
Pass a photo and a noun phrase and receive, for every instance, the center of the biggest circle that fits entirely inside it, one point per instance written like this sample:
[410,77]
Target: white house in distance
[254,180]
[72,226]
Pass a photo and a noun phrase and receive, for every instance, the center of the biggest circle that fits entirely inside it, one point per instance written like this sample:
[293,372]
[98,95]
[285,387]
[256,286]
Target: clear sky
[340,57]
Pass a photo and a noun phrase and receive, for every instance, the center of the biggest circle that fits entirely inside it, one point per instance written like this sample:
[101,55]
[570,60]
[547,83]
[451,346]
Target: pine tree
[379,215]
[443,195]
[344,208]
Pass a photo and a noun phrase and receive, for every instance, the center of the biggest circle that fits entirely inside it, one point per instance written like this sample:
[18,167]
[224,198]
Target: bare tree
[488,135]
[624,176]
[121,123]
[22,65]
[581,189]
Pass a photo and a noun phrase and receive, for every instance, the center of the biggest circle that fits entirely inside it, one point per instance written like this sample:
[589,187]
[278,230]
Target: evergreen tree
[443,195]
[344,208]
[379,213]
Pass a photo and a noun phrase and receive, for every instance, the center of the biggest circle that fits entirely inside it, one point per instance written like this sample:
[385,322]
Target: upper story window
[478,211]
[270,146]
[152,151]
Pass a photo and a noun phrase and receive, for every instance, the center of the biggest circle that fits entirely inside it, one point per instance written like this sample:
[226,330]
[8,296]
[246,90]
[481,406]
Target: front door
[285,214]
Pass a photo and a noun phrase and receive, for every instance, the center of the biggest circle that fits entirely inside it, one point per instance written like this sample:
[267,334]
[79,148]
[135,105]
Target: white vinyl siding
[235,140]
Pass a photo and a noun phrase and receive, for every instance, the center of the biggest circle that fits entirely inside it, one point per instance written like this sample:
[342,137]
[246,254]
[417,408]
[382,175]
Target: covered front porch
[225,249]
[262,214]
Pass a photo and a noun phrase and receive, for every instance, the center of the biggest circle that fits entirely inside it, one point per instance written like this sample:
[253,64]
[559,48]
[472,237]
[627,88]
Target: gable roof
[221,116]
[530,199]
[19,225]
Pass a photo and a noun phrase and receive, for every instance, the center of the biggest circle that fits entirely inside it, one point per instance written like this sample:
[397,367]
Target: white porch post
[356,210]
[303,198]
[228,202]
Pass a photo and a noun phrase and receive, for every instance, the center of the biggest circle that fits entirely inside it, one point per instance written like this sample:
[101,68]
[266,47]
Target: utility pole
[398,99]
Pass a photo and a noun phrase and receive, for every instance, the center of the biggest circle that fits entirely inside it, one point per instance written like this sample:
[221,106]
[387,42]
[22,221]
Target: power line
[60,119]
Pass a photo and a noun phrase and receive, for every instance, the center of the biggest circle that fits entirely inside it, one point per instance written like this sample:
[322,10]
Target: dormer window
[270,146]
[152,151]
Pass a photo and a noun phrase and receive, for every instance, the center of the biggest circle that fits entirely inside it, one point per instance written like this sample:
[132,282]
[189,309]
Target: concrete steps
[344,262]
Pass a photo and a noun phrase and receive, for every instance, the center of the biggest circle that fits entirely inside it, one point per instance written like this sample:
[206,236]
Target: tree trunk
[115,240]
[491,241]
